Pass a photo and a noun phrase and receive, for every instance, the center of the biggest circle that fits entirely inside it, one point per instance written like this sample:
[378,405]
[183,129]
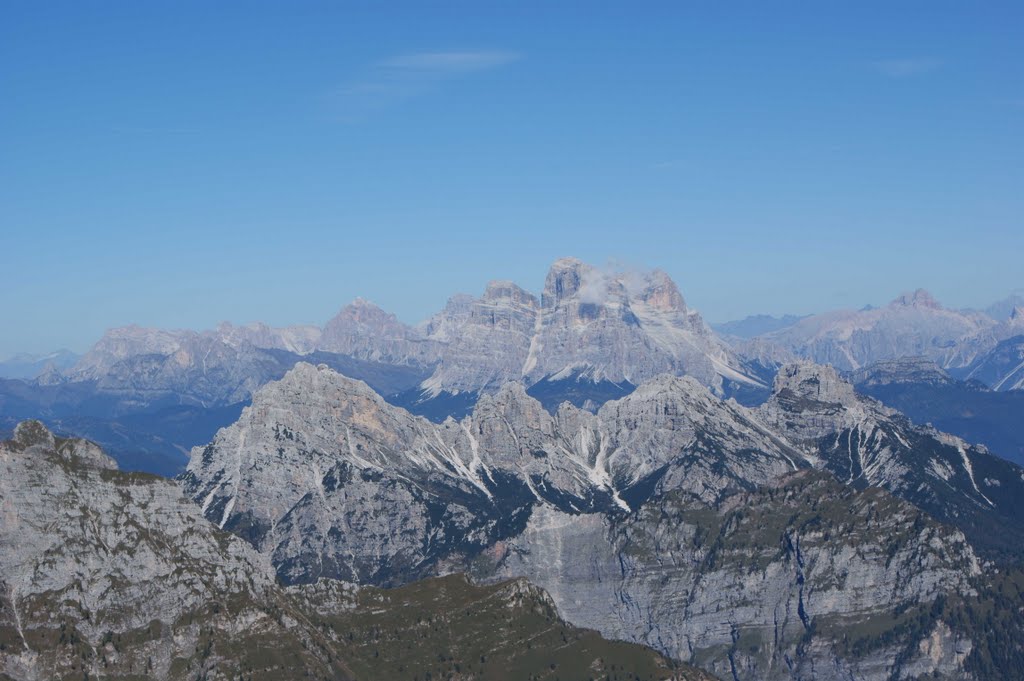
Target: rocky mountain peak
[361,309]
[816,382]
[919,298]
[1017,315]
[564,280]
[364,331]
[670,385]
[306,377]
[661,293]
[34,436]
[507,292]
[511,402]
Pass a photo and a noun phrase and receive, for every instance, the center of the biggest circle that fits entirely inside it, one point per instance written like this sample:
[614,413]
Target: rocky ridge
[317,443]
[866,444]
[615,513]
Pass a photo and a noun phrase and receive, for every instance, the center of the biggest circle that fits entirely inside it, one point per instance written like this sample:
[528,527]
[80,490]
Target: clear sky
[181,163]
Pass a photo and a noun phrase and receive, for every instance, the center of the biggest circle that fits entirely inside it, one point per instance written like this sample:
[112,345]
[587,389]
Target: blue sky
[181,163]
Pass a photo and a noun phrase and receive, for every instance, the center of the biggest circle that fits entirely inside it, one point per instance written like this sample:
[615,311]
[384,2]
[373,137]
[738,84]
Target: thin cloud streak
[403,77]
[451,62]
[906,68]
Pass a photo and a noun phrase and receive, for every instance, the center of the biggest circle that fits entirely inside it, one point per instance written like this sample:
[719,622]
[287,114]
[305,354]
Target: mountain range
[817,513]
[592,334]
[831,496]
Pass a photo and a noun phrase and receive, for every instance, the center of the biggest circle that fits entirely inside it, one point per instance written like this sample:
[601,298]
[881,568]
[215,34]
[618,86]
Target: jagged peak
[567,263]
[362,311]
[32,433]
[564,279]
[502,290]
[359,304]
[305,376]
[1017,315]
[511,397]
[918,298]
[814,382]
[669,386]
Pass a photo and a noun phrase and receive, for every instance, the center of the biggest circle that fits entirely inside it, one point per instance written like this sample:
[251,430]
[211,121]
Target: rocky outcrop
[487,339]
[106,572]
[864,443]
[904,370]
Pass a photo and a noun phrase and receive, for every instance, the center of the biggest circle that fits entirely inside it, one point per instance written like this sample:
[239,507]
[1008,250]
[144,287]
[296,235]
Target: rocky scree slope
[669,517]
[105,574]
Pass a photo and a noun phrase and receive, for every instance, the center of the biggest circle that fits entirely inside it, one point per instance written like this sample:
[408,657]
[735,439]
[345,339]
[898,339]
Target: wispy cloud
[905,68]
[450,63]
[402,77]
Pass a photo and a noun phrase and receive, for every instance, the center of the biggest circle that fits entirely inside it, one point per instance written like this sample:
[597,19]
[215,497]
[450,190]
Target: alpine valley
[589,482]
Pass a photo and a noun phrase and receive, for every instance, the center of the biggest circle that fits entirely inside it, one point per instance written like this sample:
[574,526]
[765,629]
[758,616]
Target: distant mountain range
[27,366]
[756,325]
[913,324]
[617,327]
[590,335]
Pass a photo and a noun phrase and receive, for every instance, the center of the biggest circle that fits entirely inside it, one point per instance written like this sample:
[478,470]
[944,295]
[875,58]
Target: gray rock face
[364,331]
[486,341]
[864,443]
[1004,309]
[765,585]
[669,517]
[300,340]
[1002,367]
[91,552]
[209,368]
[621,327]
